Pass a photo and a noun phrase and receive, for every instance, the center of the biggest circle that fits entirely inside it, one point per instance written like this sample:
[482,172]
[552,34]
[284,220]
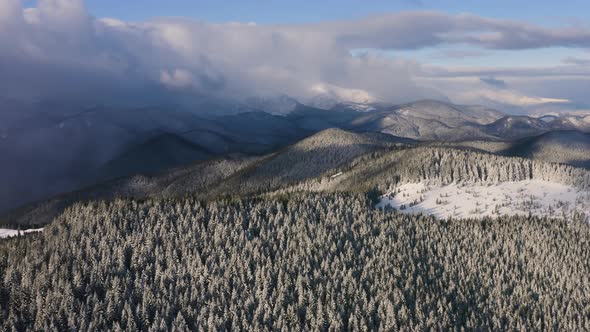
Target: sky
[285,11]
[516,55]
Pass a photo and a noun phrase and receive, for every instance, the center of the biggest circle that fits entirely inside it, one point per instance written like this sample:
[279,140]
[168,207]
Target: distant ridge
[81,146]
[567,147]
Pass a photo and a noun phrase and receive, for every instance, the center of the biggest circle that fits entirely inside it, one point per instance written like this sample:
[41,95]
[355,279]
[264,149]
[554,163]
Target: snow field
[535,197]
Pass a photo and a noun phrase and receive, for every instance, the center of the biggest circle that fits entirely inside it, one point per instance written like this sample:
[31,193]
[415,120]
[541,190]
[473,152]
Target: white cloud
[353,95]
[511,98]
[59,49]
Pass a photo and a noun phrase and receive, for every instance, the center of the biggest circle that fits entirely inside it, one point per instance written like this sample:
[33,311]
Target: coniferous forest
[321,262]
[294,165]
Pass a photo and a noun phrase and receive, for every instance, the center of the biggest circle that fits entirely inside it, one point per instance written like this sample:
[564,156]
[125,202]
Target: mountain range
[330,160]
[55,148]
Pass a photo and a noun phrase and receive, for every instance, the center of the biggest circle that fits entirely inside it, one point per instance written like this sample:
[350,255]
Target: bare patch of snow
[534,197]
[336,175]
[5,233]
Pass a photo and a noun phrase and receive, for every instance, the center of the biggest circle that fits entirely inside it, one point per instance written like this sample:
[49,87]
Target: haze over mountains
[330,160]
[55,148]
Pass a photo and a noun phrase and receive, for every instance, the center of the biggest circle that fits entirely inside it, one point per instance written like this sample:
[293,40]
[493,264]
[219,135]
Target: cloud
[57,49]
[493,82]
[532,72]
[513,98]
[475,91]
[178,78]
[458,54]
[413,30]
[353,95]
[10,12]
[576,61]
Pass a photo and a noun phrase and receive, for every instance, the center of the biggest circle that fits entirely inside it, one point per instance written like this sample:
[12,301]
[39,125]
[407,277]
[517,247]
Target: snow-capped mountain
[513,127]
[81,144]
[430,120]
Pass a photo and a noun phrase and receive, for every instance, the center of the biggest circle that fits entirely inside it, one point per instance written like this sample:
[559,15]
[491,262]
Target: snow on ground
[540,198]
[4,233]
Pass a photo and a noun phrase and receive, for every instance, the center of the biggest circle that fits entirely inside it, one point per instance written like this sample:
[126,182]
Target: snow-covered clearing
[540,198]
[4,233]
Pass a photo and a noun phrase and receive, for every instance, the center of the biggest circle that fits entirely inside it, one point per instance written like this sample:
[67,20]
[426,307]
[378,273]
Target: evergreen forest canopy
[324,262]
[293,241]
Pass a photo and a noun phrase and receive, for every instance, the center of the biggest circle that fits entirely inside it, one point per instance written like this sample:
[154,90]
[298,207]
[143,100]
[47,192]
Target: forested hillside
[293,241]
[568,147]
[196,179]
[81,146]
[442,166]
[307,160]
[309,262]
[332,160]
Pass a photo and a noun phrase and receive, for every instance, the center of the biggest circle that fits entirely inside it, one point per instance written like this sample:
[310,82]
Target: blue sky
[304,11]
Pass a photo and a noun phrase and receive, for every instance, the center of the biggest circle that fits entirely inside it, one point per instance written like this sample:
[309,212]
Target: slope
[160,152]
[516,127]
[429,120]
[196,179]
[567,147]
[332,160]
[307,159]
[231,175]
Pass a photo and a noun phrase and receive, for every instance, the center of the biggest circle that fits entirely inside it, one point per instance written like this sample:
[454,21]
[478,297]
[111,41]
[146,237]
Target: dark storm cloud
[58,48]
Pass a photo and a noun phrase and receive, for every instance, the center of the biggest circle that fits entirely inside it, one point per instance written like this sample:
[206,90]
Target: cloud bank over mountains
[59,50]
